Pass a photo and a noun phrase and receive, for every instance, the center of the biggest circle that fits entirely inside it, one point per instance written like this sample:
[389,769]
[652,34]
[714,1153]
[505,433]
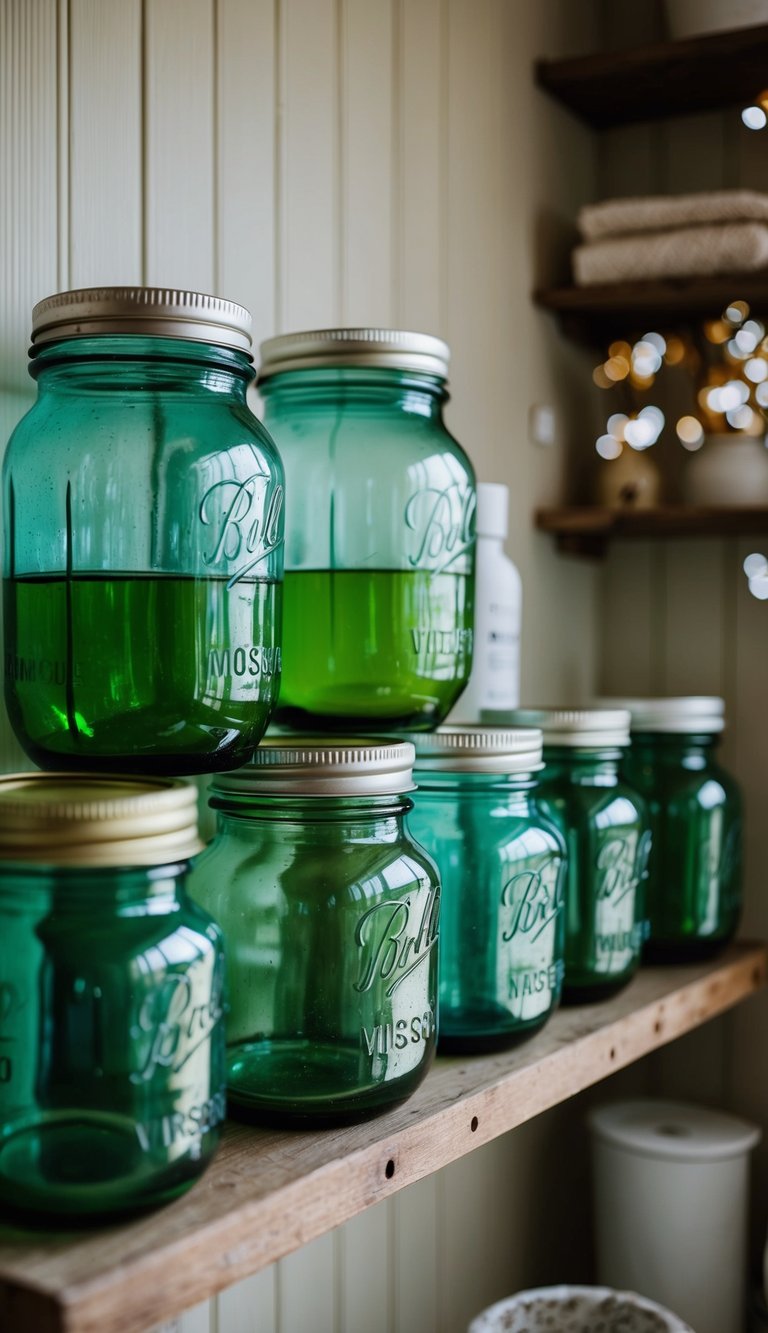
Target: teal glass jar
[143,538]
[695,868]
[112,1053]
[502,866]
[606,828]
[331,914]
[380,532]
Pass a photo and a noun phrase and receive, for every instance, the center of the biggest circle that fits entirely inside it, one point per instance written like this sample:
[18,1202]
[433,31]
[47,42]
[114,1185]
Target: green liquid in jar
[393,647]
[140,672]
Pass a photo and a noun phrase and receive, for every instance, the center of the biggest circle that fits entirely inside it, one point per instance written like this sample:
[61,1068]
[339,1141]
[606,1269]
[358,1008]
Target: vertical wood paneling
[180,135]
[627,642]
[250,1306]
[29,191]
[105,142]
[420,221]
[417,1260]
[245,158]
[368,179]
[309,293]
[366,1272]
[693,649]
[307,1288]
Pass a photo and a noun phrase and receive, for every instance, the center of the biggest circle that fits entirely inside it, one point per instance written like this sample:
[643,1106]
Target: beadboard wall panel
[327,160]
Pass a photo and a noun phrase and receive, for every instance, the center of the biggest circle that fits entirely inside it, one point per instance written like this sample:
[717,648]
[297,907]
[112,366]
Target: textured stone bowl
[577,1310]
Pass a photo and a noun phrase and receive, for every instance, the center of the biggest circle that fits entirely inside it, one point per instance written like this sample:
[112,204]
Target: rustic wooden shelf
[595,314]
[587,530]
[666,79]
[269,1192]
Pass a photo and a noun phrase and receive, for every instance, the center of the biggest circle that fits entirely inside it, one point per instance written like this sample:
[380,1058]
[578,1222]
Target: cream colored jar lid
[321,766]
[685,713]
[83,819]
[581,728]
[387,349]
[153,312]
[473,749]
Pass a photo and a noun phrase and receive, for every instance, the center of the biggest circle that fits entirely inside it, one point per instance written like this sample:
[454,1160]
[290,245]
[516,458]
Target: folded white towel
[740,247]
[622,217]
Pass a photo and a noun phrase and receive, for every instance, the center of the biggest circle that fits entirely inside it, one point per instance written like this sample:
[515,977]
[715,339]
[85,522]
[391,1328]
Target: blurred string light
[756,569]
[732,397]
[755,117]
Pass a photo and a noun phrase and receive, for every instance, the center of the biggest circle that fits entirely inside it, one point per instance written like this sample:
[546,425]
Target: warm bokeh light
[675,352]
[717,331]
[616,368]
[690,433]
[608,447]
[754,118]
[736,312]
[601,379]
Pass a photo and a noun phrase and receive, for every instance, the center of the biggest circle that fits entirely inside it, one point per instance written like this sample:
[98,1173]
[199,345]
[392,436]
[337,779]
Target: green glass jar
[143,538]
[502,866]
[695,867]
[605,825]
[111,1016]
[331,913]
[379,530]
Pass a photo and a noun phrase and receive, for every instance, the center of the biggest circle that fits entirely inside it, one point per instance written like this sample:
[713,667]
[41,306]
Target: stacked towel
[677,236]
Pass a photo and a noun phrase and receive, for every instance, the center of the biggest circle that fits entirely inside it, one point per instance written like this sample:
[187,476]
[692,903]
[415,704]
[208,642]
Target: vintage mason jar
[502,866]
[605,825]
[380,537]
[143,538]
[695,867]
[331,912]
[112,1073]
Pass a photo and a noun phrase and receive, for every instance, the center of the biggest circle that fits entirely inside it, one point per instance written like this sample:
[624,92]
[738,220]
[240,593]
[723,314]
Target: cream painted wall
[330,161]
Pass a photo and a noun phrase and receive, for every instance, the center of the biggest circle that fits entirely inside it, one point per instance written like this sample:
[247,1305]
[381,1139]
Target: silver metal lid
[686,713]
[79,819]
[581,728]
[473,749]
[321,766]
[673,1131]
[386,349]
[155,312]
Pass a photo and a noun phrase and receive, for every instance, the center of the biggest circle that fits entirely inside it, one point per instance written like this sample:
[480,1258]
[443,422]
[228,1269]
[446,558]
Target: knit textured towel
[740,247]
[622,217]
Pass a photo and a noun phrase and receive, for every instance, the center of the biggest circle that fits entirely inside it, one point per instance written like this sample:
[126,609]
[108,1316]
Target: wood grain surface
[269,1192]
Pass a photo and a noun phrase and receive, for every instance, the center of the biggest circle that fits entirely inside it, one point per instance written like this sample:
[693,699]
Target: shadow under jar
[502,866]
[331,912]
[606,829]
[143,538]
[111,1015]
[380,534]
[695,867]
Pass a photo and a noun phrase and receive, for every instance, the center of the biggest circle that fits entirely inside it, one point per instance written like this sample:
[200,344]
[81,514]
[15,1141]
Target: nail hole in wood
[389,1169]
[474,1122]
[613,1053]
[658,1025]
[757,977]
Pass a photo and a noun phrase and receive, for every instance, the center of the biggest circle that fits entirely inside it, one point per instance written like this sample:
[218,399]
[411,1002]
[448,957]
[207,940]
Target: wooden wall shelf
[666,79]
[587,530]
[269,1192]
[596,314]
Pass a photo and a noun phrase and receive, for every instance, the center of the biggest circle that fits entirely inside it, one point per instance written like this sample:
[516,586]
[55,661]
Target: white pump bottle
[495,678]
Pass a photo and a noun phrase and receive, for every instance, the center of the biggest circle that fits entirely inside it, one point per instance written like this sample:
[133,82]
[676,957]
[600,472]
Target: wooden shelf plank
[269,1192]
[586,530]
[668,78]
[595,314]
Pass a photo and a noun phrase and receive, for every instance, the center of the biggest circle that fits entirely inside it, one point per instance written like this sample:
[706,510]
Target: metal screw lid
[80,819]
[155,312]
[386,349]
[681,715]
[473,749]
[321,766]
[581,728]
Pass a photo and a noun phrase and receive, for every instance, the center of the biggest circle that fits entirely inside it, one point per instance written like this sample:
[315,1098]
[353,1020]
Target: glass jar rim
[160,312]
[350,348]
[321,766]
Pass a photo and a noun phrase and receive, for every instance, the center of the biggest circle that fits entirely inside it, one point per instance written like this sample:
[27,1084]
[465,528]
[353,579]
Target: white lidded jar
[495,678]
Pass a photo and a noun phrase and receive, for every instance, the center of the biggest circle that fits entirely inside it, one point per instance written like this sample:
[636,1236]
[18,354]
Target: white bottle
[495,678]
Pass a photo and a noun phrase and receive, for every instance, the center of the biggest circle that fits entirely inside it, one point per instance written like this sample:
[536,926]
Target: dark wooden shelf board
[269,1192]
[669,78]
[587,530]
[593,314]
